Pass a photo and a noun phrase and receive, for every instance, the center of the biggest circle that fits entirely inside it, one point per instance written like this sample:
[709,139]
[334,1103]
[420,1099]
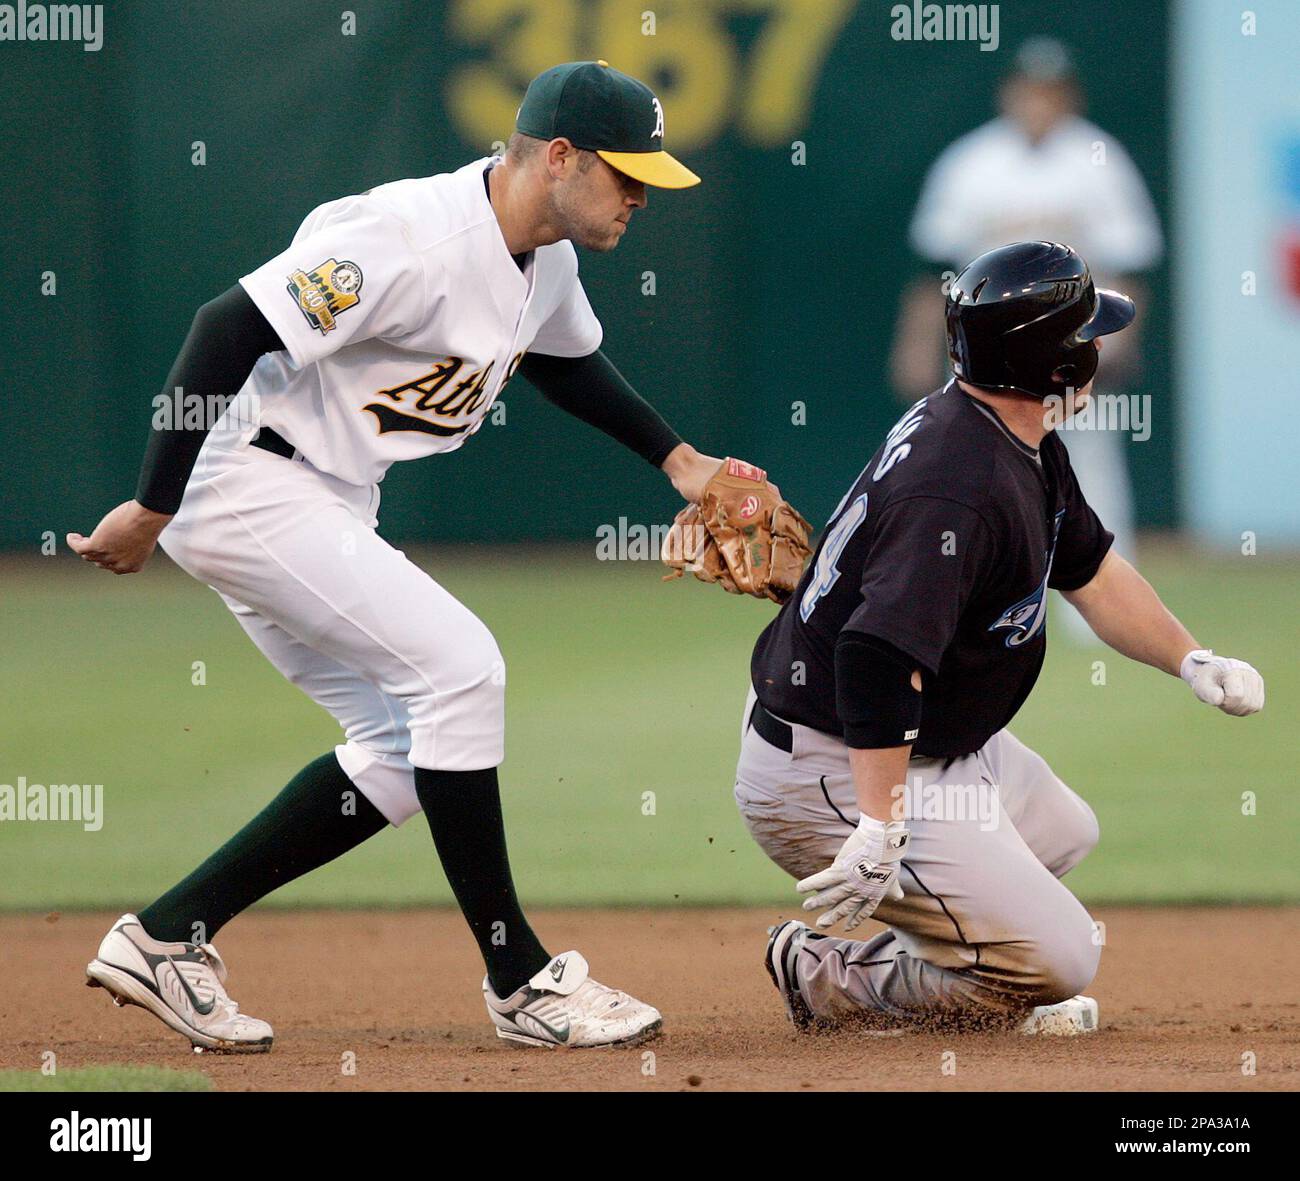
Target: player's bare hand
[124,540]
[863,875]
[1231,685]
[689,470]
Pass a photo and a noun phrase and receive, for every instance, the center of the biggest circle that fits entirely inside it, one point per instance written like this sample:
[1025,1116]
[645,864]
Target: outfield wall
[775,282]
[1238,291]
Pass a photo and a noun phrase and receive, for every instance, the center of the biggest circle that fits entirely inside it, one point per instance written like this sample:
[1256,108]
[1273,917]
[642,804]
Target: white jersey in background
[1077,185]
[403,314]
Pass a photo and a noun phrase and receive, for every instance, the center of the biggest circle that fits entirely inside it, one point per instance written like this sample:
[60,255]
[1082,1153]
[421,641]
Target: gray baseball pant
[985,928]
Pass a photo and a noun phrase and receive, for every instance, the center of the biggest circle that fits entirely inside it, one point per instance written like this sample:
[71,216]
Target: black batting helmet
[1023,317]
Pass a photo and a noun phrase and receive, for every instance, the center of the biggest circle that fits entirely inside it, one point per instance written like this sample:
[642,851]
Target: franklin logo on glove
[863,876]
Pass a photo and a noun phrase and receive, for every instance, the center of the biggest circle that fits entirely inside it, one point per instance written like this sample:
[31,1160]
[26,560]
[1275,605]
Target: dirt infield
[1185,995]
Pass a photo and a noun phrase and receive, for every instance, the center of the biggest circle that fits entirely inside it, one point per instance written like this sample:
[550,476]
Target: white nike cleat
[1067,1019]
[179,983]
[563,1006]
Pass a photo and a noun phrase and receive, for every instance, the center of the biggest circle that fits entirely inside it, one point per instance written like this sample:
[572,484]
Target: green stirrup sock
[319,816]
[464,813]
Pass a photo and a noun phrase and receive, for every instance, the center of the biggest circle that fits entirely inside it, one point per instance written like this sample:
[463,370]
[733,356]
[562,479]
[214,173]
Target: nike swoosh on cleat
[201,1007]
[559,1033]
[153,960]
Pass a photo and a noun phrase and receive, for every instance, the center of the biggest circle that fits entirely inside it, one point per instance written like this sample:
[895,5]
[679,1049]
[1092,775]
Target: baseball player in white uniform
[1038,171]
[385,332]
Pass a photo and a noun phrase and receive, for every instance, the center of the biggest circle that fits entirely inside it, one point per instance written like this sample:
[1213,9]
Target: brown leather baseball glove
[741,535]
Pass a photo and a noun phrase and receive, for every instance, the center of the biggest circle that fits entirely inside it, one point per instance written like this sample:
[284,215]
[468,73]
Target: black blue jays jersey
[945,547]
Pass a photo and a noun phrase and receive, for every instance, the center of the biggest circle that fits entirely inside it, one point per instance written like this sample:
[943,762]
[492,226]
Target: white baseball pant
[412,676]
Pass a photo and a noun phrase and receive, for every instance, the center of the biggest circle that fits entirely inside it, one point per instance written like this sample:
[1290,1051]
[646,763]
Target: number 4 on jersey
[827,573]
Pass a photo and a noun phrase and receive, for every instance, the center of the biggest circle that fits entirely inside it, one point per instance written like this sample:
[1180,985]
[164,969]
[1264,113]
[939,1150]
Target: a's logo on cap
[658,132]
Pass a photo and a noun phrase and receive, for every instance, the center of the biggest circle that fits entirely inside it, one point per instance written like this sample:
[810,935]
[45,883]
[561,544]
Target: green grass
[106,1078]
[618,686]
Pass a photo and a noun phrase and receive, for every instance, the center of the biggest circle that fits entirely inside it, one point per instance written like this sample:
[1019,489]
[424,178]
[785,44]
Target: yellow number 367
[684,51]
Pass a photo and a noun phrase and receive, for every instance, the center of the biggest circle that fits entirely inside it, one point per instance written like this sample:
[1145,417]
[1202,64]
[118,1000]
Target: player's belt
[781,735]
[771,728]
[275,443]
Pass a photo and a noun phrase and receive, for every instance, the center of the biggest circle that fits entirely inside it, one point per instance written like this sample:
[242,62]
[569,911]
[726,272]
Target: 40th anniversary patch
[326,291]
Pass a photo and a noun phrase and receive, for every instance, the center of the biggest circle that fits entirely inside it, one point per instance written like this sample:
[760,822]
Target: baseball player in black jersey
[876,766]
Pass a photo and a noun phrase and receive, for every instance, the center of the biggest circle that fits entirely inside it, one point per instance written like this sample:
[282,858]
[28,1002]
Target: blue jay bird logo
[1025,619]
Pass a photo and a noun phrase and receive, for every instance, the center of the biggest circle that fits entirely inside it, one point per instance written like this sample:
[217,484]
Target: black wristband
[874,697]
[590,388]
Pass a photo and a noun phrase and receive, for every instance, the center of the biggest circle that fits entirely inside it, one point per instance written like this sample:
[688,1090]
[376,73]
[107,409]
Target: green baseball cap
[599,109]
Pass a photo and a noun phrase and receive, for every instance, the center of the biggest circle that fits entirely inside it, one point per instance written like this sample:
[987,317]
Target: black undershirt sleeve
[874,697]
[225,340]
[590,388]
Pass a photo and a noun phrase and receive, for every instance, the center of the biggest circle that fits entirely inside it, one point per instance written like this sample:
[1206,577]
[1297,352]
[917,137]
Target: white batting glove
[1231,685]
[863,874]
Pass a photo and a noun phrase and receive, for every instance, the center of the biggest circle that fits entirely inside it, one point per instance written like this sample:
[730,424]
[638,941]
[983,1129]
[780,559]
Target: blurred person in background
[1039,170]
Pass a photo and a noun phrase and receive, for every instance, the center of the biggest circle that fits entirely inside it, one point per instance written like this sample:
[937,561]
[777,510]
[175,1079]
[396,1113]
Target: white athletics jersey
[994,186]
[403,314]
